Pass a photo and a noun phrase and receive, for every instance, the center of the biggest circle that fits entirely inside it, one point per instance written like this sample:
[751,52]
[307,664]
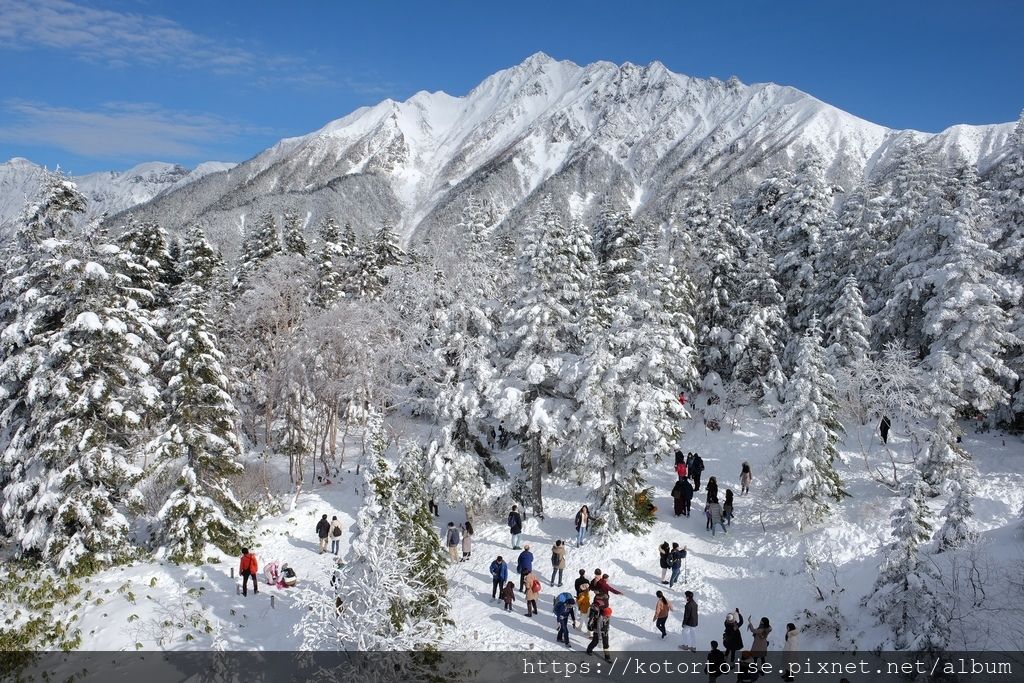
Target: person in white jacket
[792,646]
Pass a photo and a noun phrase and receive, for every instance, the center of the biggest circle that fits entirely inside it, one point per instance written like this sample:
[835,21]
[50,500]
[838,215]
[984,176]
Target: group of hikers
[457,537]
[282,576]
[689,468]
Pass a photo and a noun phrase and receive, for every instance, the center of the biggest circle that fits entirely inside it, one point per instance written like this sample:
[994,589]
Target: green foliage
[34,602]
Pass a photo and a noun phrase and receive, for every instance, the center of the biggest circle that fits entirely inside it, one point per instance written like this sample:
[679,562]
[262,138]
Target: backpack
[336,532]
[535,586]
[554,559]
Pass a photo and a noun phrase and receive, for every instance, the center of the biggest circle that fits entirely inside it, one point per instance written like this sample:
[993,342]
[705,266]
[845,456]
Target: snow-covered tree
[330,263]
[147,261]
[199,263]
[77,393]
[956,530]
[718,276]
[761,335]
[628,412]
[292,239]
[198,449]
[848,328]
[908,595]
[393,591]
[805,218]
[965,313]
[804,468]
[259,244]
[1008,220]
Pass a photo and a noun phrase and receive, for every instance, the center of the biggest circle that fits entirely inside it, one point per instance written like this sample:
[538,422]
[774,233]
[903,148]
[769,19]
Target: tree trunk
[538,477]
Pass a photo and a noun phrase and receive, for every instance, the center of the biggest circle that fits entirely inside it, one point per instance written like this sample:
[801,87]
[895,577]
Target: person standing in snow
[433,509]
[681,470]
[677,497]
[582,525]
[689,461]
[676,557]
[746,478]
[323,531]
[664,550]
[452,541]
[680,458]
[532,593]
[883,429]
[557,562]
[583,594]
[499,575]
[598,625]
[661,610]
[467,540]
[565,610]
[759,648]
[792,645]
[508,595]
[247,568]
[600,584]
[727,509]
[336,533]
[515,526]
[695,469]
[712,489]
[524,566]
[714,514]
[689,623]
[686,495]
[716,658]
[732,637]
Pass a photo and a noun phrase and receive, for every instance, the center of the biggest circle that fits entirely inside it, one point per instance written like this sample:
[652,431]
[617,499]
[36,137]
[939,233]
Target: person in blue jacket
[499,575]
[524,565]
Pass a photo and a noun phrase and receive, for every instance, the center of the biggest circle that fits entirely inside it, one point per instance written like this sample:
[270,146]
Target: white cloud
[120,39]
[120,130]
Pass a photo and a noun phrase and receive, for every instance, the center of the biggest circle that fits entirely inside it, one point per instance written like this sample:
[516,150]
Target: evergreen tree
[374,259]
[848,328]
[258,245]
[77,393]
[908,595]
[329,286]
[394,587]
[762,333]
[956,531]
[293,241]
[199,263]
[628,412]
[147,259]
[1008,220]
[810,431]
[858,249]
[720,250]
[965,312]
[805,218]
[198,448]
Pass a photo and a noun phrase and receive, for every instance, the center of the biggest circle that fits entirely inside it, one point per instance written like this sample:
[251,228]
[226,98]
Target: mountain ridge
[544,125]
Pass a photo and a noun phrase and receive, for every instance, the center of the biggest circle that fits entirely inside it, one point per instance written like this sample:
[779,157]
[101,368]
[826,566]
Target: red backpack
[535,586]
[681,470]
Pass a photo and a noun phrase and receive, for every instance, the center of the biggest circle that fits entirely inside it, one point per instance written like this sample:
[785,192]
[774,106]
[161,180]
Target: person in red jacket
[600,584]
[247,567]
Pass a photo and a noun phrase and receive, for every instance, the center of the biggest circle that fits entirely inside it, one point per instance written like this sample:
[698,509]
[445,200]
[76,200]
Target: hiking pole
[684,570]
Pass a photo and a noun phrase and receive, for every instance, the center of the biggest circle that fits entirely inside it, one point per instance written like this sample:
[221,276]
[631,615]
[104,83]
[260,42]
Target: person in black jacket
[695,469]
[712,489]
[686,494]
[689,623]
[323,530]
[883,428]
[515,526]
[677,497]
[732,637]
[716,658]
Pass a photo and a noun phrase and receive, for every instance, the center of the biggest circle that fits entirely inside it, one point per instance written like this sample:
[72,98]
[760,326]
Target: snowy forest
[157,400]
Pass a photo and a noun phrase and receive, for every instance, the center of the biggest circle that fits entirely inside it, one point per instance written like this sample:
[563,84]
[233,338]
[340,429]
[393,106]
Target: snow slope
[758,566]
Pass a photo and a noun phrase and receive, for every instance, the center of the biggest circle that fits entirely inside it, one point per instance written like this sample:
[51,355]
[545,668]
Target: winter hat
[729,618]
[607,612]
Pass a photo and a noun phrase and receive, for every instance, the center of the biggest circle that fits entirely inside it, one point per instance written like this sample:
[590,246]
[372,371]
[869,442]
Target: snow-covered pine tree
[718,277]
[966,313]
[848,328]
[1008,219]
[804,468]
[908,596]
[392,588]
[292,239]
[147,259]
[628,414]
[858,248]
[956,531]
[804,217]
[543,324]
[383,252]
[260,243]
[920,203]
[199,263]
[329,285]
[81,393]
[198,449]
[756,349]
[942,455]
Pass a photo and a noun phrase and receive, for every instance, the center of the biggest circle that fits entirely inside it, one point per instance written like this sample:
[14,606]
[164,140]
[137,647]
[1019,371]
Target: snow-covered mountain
[581,132]
[108,192]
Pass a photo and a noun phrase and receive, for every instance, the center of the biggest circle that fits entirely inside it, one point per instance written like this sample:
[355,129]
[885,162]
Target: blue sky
[104,85]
